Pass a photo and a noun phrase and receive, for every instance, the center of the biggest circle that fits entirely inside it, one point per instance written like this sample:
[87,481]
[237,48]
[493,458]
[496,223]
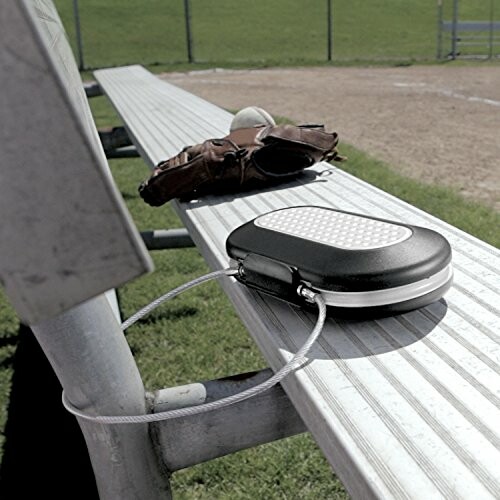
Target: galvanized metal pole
[330,28]
[439,29]
[91,357]
[491,38]
[189,39]
[454,30]
[78,32]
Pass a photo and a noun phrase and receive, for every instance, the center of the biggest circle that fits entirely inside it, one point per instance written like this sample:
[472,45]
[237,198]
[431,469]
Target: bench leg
[92,360]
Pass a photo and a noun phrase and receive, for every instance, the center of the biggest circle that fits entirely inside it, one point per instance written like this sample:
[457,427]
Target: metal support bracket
[163,239]
[92,89]
[187,441]
[116,143]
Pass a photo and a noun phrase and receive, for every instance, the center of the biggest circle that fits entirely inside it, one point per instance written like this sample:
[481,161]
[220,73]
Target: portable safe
[360,264]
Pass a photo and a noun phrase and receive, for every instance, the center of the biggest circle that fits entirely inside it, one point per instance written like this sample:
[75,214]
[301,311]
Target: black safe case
[362,265]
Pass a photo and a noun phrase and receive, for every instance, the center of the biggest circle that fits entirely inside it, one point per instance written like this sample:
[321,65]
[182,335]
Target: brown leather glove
[245,159]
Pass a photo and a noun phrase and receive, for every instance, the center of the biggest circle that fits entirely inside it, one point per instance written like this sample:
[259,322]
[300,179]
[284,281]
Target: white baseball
[250,117]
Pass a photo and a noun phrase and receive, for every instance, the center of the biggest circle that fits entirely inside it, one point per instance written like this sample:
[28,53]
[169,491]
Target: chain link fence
[231,32]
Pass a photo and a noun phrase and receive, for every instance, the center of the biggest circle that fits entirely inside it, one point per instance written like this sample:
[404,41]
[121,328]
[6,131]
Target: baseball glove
[247,158]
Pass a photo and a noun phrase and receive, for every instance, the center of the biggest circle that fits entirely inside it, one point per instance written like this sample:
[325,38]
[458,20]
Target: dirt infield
[436,123]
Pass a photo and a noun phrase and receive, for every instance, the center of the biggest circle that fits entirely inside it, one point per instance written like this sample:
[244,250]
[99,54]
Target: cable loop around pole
[297,361]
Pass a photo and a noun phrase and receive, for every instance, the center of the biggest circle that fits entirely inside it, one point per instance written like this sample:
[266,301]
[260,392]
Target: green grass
[9,326]
[259,32]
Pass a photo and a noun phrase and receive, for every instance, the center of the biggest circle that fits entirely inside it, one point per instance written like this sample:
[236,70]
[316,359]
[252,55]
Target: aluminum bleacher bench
[402,407]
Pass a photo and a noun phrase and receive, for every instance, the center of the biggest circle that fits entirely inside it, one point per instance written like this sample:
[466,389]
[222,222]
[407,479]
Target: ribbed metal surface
[403,407]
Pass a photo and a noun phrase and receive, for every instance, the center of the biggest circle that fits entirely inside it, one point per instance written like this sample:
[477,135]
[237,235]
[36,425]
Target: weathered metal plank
[66,234]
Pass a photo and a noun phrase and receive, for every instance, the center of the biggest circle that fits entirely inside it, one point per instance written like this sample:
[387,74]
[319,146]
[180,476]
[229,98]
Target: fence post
[439,29]
[189,39]
[78,32]
[330,28]
[454,30]
[491,39]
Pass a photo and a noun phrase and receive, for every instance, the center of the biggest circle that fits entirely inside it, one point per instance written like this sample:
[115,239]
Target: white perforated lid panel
[337,229]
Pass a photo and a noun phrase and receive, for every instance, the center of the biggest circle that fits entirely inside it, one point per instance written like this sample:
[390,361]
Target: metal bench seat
[403,407]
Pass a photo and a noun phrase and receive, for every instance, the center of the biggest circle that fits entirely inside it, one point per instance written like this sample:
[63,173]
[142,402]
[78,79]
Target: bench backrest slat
[65,235]
[471,26]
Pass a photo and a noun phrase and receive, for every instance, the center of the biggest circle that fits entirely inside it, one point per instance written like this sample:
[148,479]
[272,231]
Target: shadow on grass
[8,341]
[130,196]
[44,450]
[175,314]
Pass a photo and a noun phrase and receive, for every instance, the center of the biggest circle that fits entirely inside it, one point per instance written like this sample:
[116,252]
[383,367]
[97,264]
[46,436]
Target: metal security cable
[298,359]
[173,293]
